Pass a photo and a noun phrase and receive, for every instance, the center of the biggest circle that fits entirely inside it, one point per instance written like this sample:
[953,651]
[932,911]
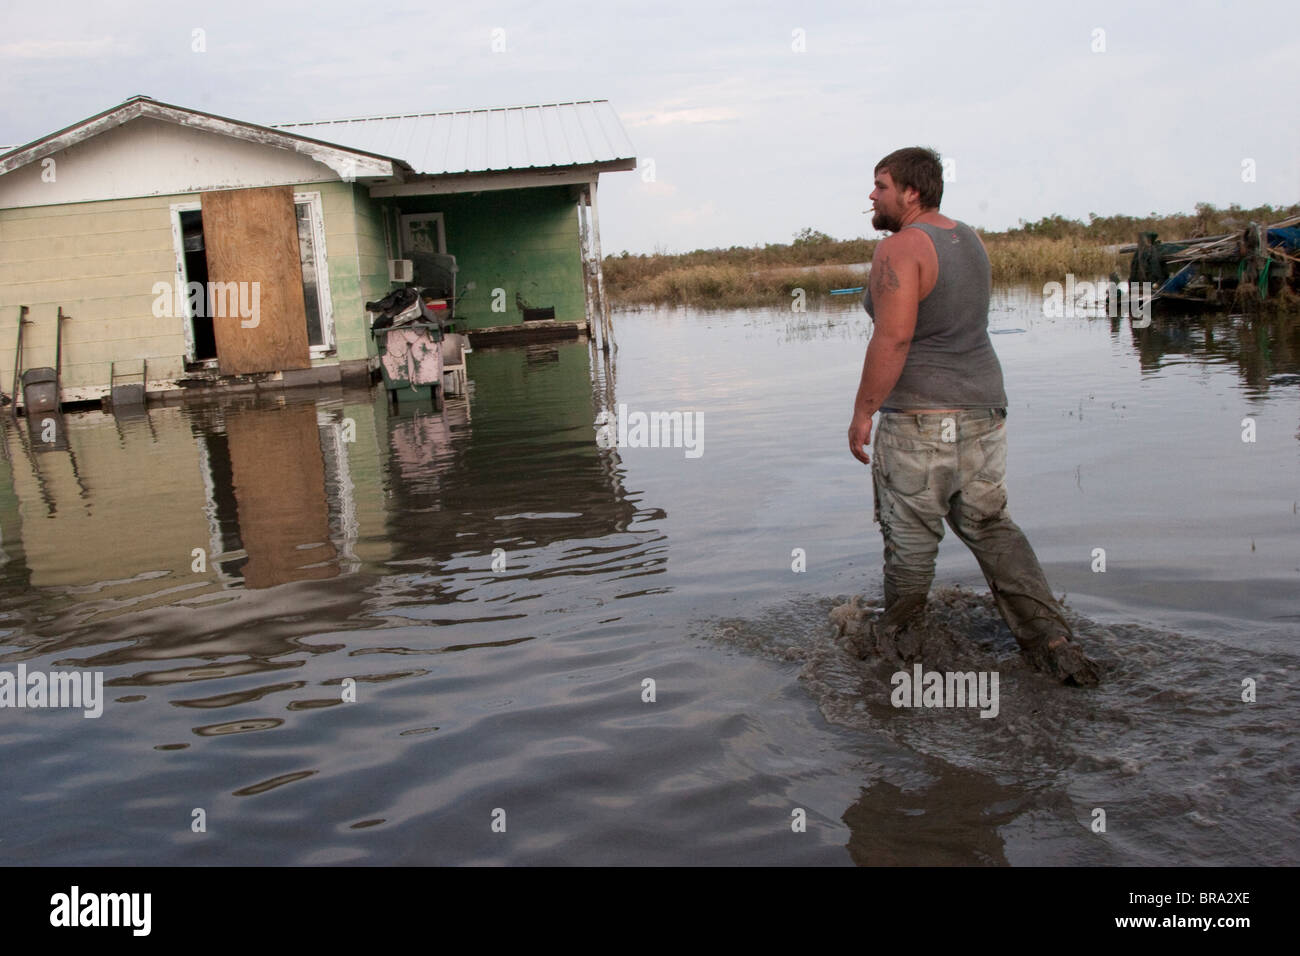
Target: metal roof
[484,140]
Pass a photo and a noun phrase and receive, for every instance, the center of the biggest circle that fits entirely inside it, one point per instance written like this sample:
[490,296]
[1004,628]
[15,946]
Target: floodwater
[333,633]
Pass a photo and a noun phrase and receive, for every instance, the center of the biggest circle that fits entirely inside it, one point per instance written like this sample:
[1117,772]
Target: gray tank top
[951,362]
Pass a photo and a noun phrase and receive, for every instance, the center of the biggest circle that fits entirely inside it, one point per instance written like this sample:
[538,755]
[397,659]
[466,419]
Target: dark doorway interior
[196,270]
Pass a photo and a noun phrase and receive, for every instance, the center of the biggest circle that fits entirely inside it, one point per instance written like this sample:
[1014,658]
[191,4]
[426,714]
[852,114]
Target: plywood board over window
[260,322]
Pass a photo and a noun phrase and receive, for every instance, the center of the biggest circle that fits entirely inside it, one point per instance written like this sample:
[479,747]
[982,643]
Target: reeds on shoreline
[659,280]
[1046,260]
[1037,252]
[733,287]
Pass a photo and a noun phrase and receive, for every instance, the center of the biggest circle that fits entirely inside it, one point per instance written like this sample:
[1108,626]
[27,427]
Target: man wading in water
[940,448]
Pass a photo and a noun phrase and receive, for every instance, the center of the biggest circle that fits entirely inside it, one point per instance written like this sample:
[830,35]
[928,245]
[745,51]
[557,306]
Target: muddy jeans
[952,465]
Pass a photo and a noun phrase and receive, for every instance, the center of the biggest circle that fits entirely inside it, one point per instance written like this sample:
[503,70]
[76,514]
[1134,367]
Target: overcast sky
[752,137]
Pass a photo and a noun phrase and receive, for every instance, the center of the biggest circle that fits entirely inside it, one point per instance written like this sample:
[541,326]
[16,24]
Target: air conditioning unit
[400,270]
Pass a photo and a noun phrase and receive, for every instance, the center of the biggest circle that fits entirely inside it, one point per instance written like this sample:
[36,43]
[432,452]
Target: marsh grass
[1037,259]
[660,280]
[729,286]
[1042,251]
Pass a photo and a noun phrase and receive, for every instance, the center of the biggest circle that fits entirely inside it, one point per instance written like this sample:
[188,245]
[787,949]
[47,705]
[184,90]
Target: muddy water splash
[1166,747]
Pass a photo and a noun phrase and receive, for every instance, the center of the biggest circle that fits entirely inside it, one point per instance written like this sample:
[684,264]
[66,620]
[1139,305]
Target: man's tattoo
[883,277]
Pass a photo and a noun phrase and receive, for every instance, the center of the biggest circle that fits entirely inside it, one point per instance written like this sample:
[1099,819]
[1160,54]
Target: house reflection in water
[269,514]
[187,501]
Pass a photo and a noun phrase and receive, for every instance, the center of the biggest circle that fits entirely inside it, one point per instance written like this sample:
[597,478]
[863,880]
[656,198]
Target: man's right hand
[859,436]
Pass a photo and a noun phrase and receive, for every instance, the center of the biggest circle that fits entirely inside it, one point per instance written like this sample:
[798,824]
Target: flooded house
[183,252]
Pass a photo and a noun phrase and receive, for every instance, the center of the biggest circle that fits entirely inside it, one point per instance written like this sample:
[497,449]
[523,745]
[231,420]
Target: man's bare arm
[895,295]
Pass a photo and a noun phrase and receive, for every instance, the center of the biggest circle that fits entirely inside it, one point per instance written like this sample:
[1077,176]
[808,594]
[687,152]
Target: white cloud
[659,190]
[666,117]
[694,215]
[62,49]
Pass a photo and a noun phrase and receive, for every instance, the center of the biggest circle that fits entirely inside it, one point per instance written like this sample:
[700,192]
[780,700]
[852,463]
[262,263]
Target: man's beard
[883,222]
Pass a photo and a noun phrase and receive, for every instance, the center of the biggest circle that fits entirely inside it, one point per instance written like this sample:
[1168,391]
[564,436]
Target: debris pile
[1256,264]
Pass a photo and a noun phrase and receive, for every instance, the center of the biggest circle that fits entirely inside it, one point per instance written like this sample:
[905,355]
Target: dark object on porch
[541,331]
[531,314]
[40,391]
[435,273]
[409,338]
[128,395]
[432,297]
[392,306]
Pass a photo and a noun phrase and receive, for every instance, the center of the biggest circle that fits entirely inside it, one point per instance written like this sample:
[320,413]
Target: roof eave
[487,180]
[347,163]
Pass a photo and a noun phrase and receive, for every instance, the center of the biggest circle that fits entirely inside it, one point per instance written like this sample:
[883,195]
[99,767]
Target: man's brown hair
[918,167]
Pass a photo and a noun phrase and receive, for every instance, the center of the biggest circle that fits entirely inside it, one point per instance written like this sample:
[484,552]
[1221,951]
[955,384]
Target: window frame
[325,302]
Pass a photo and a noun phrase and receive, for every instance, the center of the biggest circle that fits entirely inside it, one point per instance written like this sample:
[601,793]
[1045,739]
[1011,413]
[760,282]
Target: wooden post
[584,241]
[1260,235]
[606,325]
[18,359]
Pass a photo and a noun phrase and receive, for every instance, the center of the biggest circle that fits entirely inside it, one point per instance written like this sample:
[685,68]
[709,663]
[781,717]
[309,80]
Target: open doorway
[195,266]
[192,272]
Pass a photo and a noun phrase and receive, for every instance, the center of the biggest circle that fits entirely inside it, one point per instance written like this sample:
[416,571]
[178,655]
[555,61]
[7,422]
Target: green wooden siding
[341,259]
[372,254]
[521,241]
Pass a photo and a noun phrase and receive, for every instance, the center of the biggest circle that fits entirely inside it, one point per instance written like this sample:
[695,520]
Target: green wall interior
[522,241]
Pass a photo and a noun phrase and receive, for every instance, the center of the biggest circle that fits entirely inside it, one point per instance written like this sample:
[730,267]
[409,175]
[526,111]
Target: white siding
[149,157]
